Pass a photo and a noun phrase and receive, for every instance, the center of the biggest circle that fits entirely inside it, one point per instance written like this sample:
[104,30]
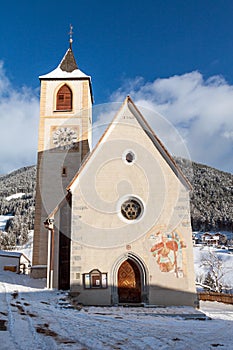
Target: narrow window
[64,171]
[64,99]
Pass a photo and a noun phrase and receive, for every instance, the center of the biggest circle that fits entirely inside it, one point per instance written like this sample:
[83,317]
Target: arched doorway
[129,282]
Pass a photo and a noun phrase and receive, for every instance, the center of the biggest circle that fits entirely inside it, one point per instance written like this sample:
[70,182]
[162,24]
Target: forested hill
[211,199]
[21,180]
[23,208]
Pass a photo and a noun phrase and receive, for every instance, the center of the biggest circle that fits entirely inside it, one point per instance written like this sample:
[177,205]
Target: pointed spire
[68,63]
[71,36]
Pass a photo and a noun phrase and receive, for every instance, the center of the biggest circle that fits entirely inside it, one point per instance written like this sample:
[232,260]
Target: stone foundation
[38,271]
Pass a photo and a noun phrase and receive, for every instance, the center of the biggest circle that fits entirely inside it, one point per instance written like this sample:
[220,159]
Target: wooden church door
[129,283]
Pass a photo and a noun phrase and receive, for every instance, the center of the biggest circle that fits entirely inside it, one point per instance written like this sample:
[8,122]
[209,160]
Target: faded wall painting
[167,251]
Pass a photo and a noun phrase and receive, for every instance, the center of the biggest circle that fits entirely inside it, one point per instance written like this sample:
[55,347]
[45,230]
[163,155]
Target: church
[112,222]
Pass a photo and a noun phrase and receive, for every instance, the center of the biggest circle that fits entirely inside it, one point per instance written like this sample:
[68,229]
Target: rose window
[131,209]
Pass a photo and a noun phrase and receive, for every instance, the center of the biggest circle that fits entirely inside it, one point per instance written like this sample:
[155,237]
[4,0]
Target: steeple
[65,117]
[68,63]
[68,68]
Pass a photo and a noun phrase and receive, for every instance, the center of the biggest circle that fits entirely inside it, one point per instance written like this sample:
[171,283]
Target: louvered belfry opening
[64,99]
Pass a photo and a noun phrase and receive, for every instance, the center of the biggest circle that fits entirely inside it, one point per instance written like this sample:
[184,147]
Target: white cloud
[19,115]
[200,110]
[228,134]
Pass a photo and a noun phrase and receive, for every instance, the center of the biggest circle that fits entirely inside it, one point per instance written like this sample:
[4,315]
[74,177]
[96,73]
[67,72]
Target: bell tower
[64,140]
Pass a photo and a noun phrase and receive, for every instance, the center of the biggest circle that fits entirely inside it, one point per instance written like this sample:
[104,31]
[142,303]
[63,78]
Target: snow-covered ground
[200,252]
[32,317]
[3,221]
[27,248]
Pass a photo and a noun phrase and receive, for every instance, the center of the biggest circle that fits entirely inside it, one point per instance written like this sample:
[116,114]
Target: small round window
[129,157]
[131,209]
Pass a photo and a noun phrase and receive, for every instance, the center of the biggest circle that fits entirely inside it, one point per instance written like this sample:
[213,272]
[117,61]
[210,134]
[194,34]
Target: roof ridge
[150,133]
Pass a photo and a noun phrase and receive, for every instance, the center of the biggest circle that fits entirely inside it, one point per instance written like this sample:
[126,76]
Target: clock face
[64,138]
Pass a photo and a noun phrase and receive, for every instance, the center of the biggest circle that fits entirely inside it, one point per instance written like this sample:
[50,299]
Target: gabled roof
[150,133]
[12,254]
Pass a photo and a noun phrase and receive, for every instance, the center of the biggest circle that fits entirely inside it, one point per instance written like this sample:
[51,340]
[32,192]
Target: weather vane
[71,35]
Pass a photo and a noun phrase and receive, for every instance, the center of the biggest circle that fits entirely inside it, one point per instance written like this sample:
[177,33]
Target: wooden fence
[213,296]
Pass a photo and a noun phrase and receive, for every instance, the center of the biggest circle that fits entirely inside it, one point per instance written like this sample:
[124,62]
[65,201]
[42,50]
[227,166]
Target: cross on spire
[71,35]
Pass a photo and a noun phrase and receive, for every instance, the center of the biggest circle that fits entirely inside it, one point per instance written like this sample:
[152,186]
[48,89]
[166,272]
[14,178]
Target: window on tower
[64,171]
[64,99]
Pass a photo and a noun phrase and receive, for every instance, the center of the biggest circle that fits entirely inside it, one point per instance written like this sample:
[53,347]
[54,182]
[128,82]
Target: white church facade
[112,223]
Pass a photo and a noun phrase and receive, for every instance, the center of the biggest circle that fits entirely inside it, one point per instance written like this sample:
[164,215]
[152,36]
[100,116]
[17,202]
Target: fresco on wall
[167,251]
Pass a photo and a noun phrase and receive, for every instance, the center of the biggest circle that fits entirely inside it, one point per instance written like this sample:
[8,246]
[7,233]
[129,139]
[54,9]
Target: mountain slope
[211,198]
[19,181]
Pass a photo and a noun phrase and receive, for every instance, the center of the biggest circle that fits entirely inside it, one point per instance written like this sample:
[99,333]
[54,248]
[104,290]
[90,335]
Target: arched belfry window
[64,99]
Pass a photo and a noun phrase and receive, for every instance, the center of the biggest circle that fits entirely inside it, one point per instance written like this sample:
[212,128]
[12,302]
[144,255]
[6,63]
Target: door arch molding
[143,276]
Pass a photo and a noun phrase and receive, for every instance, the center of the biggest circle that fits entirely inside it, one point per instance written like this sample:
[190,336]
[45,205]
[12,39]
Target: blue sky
[172,56]
[114,40]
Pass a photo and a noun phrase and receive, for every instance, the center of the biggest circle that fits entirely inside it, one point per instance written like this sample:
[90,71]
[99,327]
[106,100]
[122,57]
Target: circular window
[131,209]
[129,157]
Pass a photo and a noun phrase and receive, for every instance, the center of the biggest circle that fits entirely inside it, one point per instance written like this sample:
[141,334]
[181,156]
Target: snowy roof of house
[12,254]
[207,234]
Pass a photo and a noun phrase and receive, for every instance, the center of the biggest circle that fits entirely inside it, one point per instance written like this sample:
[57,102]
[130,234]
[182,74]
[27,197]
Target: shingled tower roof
[68,64]
[67,68]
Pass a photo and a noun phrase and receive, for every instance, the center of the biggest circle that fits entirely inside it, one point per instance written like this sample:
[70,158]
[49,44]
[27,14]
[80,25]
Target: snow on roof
[67,68]
[12,254]
[15,196]
[59,73]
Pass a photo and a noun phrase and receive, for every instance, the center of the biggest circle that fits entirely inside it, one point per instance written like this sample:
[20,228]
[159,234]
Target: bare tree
[216,271]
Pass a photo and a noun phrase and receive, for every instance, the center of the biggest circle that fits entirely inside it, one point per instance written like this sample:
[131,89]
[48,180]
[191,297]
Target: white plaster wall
[99,234]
